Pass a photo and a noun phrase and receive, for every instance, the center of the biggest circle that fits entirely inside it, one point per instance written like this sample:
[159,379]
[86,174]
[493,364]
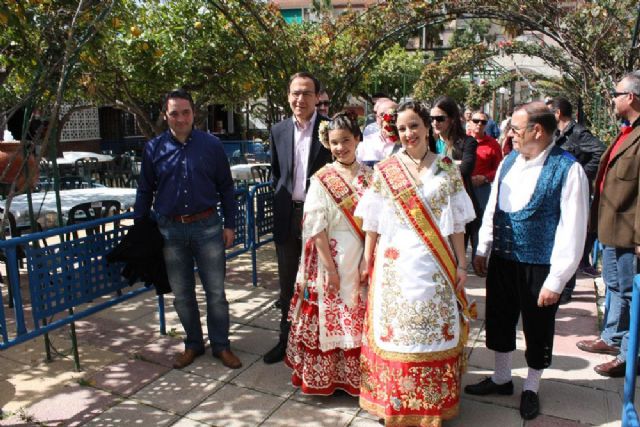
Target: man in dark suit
[296,154]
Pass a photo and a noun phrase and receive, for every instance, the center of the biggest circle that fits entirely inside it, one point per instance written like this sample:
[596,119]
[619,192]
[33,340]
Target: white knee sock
[502,372]
[533,380]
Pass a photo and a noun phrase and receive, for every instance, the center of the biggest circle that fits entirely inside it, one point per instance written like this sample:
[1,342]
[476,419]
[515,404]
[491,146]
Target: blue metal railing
[66,275]
[629,413]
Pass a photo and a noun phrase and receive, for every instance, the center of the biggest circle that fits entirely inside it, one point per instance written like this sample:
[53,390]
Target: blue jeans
[200,241]
[618,268]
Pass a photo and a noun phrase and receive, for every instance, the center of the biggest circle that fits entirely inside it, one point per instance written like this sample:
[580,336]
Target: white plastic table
[69,157]
[44,203]
[243,172]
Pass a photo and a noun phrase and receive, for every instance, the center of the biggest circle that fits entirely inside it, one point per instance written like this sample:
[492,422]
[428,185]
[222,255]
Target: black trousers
[512,289]
[288,253]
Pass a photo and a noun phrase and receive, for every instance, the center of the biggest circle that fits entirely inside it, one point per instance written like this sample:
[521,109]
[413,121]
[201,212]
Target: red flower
[387,117]
[391,253]
[446,161]
[388,128]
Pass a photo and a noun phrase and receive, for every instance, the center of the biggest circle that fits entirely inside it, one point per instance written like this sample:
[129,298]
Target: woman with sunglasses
[454,142]
[488,158]
[416,325]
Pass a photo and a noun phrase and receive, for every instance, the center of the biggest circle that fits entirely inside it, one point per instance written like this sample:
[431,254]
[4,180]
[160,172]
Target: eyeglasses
[298,94]
[615,94]
[518,131]
[476,121]
[439,119]
[321,103]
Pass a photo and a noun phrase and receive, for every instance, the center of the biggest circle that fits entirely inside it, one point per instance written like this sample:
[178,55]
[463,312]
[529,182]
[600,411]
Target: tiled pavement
[127,376]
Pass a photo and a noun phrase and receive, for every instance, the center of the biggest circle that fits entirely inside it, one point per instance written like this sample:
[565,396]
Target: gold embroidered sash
[419,216]
[343,194]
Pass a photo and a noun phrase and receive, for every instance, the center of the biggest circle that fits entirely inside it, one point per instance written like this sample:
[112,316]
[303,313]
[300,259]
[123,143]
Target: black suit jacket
[281,140]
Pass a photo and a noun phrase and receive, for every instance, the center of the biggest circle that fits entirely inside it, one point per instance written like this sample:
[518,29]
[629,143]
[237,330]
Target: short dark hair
[305,75]
[563,105]
[538,113]
[422,110]
[177,94]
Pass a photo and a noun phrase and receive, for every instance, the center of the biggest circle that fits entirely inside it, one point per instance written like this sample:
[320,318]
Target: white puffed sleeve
[315,210]
[458,209]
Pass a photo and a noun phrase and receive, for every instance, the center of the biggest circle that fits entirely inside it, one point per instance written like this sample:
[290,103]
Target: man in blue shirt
[185,173]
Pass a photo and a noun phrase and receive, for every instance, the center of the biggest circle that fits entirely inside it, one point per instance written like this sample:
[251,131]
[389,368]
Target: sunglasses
[325,103]
[476,121]
[439,119]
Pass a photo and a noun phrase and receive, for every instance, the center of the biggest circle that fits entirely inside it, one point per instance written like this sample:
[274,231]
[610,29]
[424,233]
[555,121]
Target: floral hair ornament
[389,129]
[323,133]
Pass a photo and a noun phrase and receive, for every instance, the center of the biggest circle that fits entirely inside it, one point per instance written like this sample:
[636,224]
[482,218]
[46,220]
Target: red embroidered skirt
[419,392]
[315,371]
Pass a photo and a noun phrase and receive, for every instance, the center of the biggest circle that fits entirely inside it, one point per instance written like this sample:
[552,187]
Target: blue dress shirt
[184,179]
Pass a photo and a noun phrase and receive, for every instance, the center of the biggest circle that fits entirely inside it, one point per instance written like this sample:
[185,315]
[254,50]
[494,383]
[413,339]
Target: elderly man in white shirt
[535,233]
[375,146]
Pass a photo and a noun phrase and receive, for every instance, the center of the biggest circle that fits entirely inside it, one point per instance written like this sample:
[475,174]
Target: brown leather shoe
[186,358]
[614,368]
[228,359]
[598,346]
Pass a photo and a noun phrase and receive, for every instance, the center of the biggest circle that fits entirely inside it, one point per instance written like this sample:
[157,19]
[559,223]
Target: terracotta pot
[7,152]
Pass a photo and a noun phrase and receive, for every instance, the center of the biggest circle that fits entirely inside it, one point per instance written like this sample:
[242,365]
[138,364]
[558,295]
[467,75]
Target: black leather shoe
[276,354]
[487,386]
[529,405]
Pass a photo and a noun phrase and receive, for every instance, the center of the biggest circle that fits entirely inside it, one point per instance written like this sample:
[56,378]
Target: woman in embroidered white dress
[414,216]
[328,305]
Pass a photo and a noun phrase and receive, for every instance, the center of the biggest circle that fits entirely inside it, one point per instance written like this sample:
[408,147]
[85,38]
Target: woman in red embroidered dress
[328,305]
[414,215]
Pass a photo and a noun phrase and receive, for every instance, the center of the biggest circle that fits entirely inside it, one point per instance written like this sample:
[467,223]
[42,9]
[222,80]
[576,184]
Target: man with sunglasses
[615,215]
[534,224]
[587,149]
[323,103]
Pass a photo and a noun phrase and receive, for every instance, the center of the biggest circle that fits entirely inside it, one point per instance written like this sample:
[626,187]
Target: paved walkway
[127,376]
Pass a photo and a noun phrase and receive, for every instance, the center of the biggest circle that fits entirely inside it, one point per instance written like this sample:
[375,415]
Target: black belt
[297,205]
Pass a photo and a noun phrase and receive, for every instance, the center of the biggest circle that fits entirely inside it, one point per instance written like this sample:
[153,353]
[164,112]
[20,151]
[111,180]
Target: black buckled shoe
[529,405]
[487,386]
[276,354]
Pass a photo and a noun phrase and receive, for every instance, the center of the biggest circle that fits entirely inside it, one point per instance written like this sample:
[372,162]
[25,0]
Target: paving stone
[186,422]
[71,406]
[125,378]
[363,422]
[273,379]
[10,367]
[269,318]
[161,351]
[252,340]
[177,391]
[31,385]
[476,413]
[295,413]
[209,367]
[113,335]
[547,421]
[233,406]
[133,413]
[342,402]
[577,403]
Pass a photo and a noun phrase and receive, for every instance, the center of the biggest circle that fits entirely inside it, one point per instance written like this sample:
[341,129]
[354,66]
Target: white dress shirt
[302,134]
[373,148]
[518,187]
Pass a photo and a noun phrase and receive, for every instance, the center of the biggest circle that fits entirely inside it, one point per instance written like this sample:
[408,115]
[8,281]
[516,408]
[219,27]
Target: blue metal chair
[629,413]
